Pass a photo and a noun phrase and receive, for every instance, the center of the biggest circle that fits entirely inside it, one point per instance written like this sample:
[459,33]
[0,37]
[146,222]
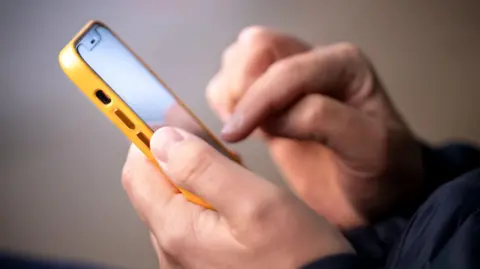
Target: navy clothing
[15,261]
[444,232]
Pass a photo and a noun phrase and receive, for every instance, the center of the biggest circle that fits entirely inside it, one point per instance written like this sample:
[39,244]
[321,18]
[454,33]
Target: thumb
[339,127]
[195,166]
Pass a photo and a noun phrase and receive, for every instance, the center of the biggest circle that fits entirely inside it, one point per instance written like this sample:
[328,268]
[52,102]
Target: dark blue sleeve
[445,163]
[9,260]
[375,243]
[341,261]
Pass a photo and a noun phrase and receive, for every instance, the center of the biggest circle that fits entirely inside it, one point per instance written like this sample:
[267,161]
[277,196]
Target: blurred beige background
[60,159]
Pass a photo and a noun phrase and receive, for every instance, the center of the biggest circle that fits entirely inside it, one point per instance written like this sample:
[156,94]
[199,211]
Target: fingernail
[233,123]
[162,141]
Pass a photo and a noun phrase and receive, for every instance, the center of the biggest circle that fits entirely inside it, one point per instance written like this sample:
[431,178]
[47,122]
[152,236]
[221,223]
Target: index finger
[256,49]
[328,71]
[146,186]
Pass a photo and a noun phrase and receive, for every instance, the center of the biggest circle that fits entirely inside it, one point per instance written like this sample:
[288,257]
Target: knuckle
[255,34]
[262,214]
[190,161]
[264,210]
[359,70]
[205,225]
[315,110]
[253,46]
[288,67]
[173,230]
[259,58]
[171,240]
[127,177]
[353,55]
[213,92]
[348,49]
[135,158]
[229,54]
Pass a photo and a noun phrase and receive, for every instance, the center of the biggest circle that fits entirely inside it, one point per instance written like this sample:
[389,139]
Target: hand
[327,122]
[256,225]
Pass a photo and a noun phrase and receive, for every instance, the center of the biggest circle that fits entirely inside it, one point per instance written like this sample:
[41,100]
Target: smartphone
[128,92]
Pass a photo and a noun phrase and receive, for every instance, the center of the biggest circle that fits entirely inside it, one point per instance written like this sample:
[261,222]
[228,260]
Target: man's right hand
[327,120]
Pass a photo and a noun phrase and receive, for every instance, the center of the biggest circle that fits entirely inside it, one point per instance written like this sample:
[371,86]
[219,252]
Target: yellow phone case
[117,110]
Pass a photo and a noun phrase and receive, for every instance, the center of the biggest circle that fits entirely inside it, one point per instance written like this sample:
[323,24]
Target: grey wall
[60,159]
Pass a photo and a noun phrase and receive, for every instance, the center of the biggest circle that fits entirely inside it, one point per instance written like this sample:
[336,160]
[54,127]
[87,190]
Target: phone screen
[135,84]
